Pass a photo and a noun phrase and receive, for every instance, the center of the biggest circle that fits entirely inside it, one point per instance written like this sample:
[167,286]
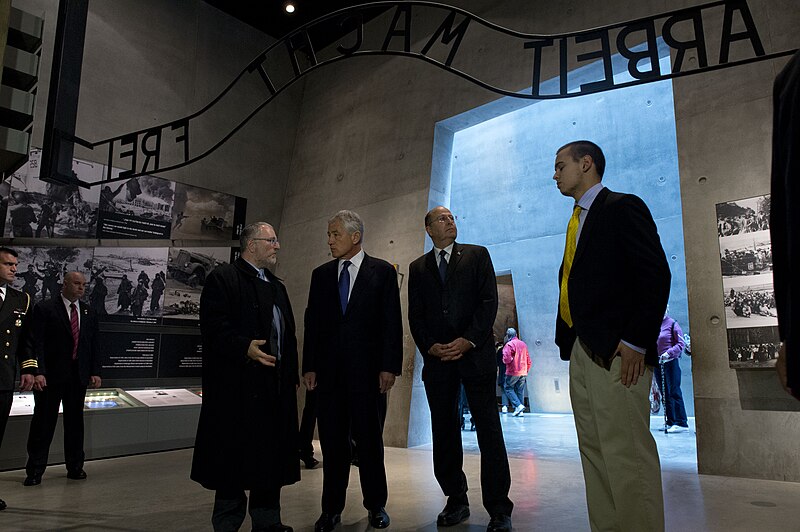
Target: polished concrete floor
[153,493]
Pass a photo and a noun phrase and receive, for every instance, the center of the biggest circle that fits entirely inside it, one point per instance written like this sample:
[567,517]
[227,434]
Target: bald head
[74,286]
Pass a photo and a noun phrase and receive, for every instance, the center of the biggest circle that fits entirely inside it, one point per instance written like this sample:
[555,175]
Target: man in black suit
[614,285]
[65,343]
[15,356]
[784,219]
[452,305]
[352,352]
[247,433]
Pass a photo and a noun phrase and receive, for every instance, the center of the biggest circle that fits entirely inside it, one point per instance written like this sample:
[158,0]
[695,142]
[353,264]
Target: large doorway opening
[493,168]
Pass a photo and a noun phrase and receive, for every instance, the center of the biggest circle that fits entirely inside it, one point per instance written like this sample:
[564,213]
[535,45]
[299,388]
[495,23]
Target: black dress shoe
[279,527]
[453,514]
[2,505]
[378,518]
[499,523]
[78,474]
[33,480]
[327,522]
[310,462]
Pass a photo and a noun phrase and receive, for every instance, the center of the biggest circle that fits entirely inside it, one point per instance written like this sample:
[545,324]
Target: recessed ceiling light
[289,8]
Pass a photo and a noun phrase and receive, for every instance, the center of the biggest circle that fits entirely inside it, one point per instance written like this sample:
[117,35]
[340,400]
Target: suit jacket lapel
[334,279]
[430,264]
[84,316]
[455,258]
[362,280]
[7,306]
[452,263]
[61,310]
[590,223]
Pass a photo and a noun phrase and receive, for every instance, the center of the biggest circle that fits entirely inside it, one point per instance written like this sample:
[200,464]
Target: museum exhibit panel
[191,123]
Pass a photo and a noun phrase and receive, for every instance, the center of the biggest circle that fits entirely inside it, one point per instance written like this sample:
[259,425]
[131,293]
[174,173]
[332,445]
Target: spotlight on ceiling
[289,8]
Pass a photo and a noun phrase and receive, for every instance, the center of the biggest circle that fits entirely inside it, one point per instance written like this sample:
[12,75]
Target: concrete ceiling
[270,16]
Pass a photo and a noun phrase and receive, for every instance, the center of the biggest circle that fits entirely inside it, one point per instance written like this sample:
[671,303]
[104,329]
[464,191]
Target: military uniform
[14,350]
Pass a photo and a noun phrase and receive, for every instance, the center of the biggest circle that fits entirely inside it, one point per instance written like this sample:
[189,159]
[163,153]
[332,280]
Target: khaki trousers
[618,454]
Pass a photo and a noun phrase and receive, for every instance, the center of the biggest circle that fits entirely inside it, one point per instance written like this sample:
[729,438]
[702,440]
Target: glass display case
[107,399]
[166,397]
[22,404]
[102,399]
[118,423]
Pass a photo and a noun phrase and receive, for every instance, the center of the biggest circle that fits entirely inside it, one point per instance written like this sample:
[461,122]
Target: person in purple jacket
[668,373]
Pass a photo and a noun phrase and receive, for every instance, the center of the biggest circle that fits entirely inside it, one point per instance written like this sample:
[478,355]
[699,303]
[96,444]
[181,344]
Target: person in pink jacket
[518,364]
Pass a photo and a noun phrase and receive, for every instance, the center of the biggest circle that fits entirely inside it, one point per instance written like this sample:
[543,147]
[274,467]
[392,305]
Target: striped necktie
[73,323]
[569,255]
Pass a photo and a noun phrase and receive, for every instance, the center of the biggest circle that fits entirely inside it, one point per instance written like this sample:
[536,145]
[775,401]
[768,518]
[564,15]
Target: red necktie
[73,322]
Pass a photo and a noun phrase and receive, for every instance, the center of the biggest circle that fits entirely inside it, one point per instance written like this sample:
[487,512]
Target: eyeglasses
[271,241]
[443,219]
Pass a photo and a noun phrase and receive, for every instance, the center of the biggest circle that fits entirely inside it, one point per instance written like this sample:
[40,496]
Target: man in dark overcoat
[247,433]
[15,355]
[784,220]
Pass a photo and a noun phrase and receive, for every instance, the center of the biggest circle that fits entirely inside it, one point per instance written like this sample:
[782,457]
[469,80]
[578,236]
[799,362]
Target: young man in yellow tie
[614,285]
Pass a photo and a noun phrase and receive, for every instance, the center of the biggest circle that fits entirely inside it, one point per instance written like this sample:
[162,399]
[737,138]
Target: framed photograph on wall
[745,253]
[139,208]
[127,284]
[202,214]
[187,269]
[41,270]
[36,209]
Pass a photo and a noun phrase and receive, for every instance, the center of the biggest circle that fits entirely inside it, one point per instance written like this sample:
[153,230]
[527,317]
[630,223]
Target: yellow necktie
[569,255]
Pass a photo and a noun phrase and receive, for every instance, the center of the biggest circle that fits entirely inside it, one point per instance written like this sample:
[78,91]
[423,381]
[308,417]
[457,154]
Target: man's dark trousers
[45,417]
[443,393]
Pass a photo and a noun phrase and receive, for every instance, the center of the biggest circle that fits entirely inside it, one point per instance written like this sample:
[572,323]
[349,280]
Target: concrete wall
[147,62]
[746,425]
[365,141]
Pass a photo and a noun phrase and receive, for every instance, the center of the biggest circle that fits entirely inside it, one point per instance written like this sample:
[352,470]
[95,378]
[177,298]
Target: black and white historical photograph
[755,347]
[745,254]
[750,302]
[40,270]
[127,284]
[37,209]
[743,216]
[187,270]
[202,214]
[136,208]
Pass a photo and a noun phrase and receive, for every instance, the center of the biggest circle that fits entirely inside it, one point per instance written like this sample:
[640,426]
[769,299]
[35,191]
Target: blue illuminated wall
[493,167]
